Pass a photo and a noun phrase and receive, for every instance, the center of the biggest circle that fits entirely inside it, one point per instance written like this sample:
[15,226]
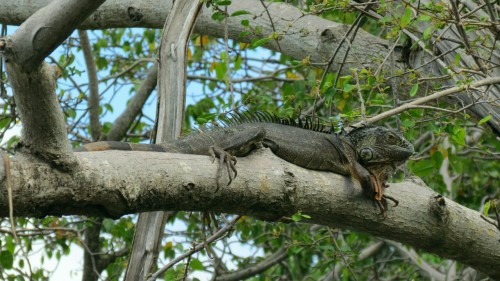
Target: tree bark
[33,80]
[171,100]
[266,187]
[300,35]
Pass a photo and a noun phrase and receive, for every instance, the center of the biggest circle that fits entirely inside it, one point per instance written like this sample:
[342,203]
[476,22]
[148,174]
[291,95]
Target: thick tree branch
[171,100]
[114,183]
[46,29]
[33,82]
[300,34]
[44,130]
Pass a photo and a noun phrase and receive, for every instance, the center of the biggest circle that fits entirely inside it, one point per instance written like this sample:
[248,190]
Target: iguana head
[377,145]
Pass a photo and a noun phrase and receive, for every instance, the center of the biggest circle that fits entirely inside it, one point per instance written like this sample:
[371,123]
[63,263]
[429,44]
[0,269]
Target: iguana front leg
[372,187]
[236,143]
[369,183]
[225,159]
[380,197]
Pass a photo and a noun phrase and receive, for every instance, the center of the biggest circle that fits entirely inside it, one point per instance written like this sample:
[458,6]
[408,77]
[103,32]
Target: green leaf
[71,112]
[237,62]
[196,264]
[414,90]
[245,22]
[423,167]
[427,32]
[6,259]
[9,244]
[406,18]
[108,224]
[299,216]
[408,123]
[5,121]
[169,275]
[108,107]
[101,63]
[458,135]
[239,13]
[348,88]
[296,217]
[438,158]
[223,3]
[260,42]
[486,209]
[218,16]
[220,70]
[423,17]
[484,120]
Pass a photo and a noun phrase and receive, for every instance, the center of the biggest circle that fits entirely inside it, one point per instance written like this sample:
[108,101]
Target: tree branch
[411,255]
[134,107]
[93,98]
[255,269]
[114,183]
[300,34]
[436,95]
[33,81]
[44,130]
[46,29]
[171,100]
[91,271]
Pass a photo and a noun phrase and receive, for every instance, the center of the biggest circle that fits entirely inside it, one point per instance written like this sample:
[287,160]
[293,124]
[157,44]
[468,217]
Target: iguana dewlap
[369,154]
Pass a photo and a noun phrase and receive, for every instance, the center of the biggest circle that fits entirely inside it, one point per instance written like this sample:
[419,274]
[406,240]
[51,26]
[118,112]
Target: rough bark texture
[46,29]
[302,34]
[171,100]
[33,82]
[44,131]
[110,184]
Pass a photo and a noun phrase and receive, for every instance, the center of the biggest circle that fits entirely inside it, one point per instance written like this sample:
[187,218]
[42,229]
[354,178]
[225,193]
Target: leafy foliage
[457,154]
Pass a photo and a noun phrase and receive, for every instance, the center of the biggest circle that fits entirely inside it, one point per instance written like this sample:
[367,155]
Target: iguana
[370,154]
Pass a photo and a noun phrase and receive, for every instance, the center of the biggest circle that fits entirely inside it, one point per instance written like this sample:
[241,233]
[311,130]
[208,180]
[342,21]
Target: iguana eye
[392,138]
[366,154]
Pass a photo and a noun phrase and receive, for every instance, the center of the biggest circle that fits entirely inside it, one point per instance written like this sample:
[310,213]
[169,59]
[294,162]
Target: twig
[341,254]
[360,96]
[195,249]
[229,83]
[186,269]
[349,37]
[272,25]
[440,94]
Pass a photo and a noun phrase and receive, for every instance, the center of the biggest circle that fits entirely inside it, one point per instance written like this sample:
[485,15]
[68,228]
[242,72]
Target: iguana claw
[396,202]
[380,197]
[225,159]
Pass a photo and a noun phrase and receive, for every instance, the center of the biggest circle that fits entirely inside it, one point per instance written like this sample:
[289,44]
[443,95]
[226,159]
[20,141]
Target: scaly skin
[369,154]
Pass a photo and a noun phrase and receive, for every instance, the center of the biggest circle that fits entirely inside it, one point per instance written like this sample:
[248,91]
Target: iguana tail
[116,145]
